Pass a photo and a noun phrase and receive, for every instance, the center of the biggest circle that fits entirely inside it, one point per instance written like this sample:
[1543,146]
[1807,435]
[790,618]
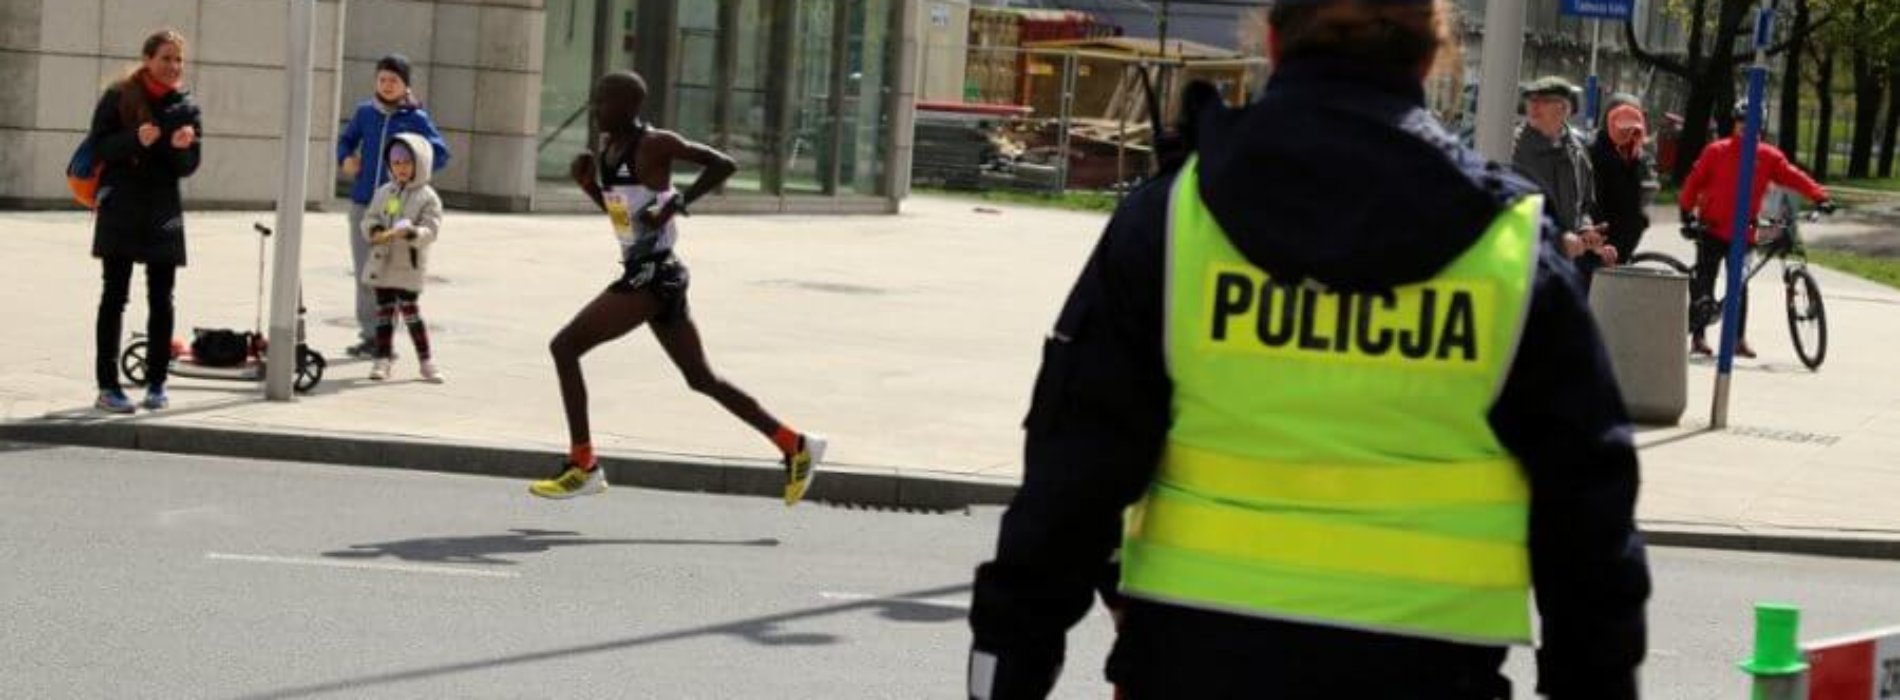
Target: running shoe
[572,481]
[801,467]
[114,401]
[156,399]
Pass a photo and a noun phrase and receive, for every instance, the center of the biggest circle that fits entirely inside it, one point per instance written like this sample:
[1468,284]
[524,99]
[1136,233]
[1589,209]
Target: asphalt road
[131,575]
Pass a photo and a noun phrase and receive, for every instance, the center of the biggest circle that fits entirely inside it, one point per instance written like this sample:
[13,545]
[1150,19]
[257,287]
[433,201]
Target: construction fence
[1059,115]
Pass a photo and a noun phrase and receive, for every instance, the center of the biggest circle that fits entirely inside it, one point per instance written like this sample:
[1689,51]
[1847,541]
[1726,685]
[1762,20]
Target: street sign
[1599,9]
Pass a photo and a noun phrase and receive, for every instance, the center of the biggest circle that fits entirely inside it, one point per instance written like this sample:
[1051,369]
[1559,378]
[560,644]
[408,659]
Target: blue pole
[1743,216]
[1738,231]
[1590,101]
[1590,84]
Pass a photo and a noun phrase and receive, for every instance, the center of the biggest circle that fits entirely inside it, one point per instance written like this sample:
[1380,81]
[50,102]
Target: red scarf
[153,88]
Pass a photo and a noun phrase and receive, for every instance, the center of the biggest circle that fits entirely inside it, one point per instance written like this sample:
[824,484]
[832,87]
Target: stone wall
[57,56]
[477,68]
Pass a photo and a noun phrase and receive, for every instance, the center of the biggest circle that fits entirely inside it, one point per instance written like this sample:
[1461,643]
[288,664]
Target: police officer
[1348,392]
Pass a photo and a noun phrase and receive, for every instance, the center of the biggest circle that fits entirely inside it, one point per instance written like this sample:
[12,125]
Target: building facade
[812,97]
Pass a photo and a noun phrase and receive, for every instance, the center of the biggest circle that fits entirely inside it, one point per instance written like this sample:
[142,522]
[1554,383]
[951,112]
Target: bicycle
[1777,238]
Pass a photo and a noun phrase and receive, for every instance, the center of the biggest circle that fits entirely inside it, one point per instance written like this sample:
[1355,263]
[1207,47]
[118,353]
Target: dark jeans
[159,282]
[1710,256]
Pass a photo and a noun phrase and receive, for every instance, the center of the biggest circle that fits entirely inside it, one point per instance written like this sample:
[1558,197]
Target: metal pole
[1068,109]
[286,282]
[1590,85]
[1744,215]
[1498,91]
[1161,29]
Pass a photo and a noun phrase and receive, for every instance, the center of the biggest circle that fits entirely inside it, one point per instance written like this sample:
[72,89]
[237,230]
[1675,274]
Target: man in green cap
[1554,156]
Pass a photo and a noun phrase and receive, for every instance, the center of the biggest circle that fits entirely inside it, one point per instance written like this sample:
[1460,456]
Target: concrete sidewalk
[911,340]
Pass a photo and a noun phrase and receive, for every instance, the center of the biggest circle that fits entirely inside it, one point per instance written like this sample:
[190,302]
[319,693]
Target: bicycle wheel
[1702,311]
[1650,256]
[1807,317]
[132,363]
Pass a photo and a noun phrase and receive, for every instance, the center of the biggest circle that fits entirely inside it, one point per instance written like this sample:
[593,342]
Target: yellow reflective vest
[1330,459]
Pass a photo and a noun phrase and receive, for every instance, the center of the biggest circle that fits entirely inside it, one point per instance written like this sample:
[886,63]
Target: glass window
[809,153]
[868,93]
[566,79]
[727,112]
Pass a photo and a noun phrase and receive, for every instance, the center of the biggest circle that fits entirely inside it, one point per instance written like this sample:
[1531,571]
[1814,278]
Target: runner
[631,179]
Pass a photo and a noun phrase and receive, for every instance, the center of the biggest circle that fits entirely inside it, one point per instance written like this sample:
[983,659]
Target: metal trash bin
[1642,314]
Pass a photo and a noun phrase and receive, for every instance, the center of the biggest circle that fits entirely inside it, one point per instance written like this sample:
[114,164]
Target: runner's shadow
[486,549]
[764,630]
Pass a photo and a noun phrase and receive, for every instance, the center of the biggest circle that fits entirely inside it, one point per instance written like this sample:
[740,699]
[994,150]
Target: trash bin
[1642,314]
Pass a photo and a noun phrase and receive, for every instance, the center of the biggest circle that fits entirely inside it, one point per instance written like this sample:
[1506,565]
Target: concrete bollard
[1642,314]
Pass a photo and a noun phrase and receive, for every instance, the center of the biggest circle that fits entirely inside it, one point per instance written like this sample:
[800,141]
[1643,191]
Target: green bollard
[1777,665]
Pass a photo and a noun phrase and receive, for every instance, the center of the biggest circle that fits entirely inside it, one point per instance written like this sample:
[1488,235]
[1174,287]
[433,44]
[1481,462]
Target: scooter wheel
[132,363]
[310,367]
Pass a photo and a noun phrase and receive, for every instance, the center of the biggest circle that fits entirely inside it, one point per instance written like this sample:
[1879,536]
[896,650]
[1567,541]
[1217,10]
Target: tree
[1892,127]
[1709,65]
[1867,91]
[1824,130]
[1790,131]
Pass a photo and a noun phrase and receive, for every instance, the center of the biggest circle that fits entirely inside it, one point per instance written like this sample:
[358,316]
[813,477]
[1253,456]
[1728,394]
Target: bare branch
[1661,63]
[1793,39]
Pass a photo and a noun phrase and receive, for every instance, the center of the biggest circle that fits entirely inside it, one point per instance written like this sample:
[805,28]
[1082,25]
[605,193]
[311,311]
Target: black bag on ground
[219,347]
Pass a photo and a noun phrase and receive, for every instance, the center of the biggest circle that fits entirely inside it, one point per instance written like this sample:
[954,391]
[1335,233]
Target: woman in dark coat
[1625,173]
[145,130]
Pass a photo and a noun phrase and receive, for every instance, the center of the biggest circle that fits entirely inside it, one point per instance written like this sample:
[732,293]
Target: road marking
[211,514]
[377,566]
[952,603]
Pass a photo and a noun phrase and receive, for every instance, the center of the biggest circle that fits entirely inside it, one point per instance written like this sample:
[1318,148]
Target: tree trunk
[1713,76]
[1824,131]
[1892,128]
[1790,120]
[1867,92]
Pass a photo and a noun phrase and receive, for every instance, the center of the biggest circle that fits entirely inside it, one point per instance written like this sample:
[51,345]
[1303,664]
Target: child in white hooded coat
[401,223]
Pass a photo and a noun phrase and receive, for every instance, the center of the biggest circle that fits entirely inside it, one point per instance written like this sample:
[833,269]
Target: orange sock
[786,438]
[583,455]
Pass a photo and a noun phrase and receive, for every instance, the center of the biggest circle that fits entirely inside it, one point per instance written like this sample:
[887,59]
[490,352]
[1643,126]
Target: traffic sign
[1600,9]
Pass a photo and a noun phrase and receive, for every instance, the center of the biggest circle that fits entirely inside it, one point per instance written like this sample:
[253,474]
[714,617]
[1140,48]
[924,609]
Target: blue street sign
[1600,9]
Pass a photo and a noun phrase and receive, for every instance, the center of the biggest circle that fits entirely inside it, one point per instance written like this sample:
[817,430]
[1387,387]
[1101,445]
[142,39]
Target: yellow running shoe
[801,467]
[572,481]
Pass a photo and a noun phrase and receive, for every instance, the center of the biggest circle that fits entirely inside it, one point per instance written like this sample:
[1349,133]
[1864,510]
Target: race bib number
[619,211]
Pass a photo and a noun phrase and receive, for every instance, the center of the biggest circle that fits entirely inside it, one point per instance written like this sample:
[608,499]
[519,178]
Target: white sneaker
[379,370]
[431,373]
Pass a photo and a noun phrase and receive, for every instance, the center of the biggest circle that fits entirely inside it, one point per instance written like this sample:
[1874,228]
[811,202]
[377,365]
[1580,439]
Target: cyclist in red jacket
[1708,199]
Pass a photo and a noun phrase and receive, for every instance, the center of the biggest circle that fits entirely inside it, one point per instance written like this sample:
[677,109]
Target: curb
[877,488]
[1848,544]
[874,488]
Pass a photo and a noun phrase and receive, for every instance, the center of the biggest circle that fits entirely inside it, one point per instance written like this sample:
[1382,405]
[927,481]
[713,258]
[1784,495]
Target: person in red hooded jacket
[1708,197]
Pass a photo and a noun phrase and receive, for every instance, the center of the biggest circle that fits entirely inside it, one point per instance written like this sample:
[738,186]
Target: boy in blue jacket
[392,110]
